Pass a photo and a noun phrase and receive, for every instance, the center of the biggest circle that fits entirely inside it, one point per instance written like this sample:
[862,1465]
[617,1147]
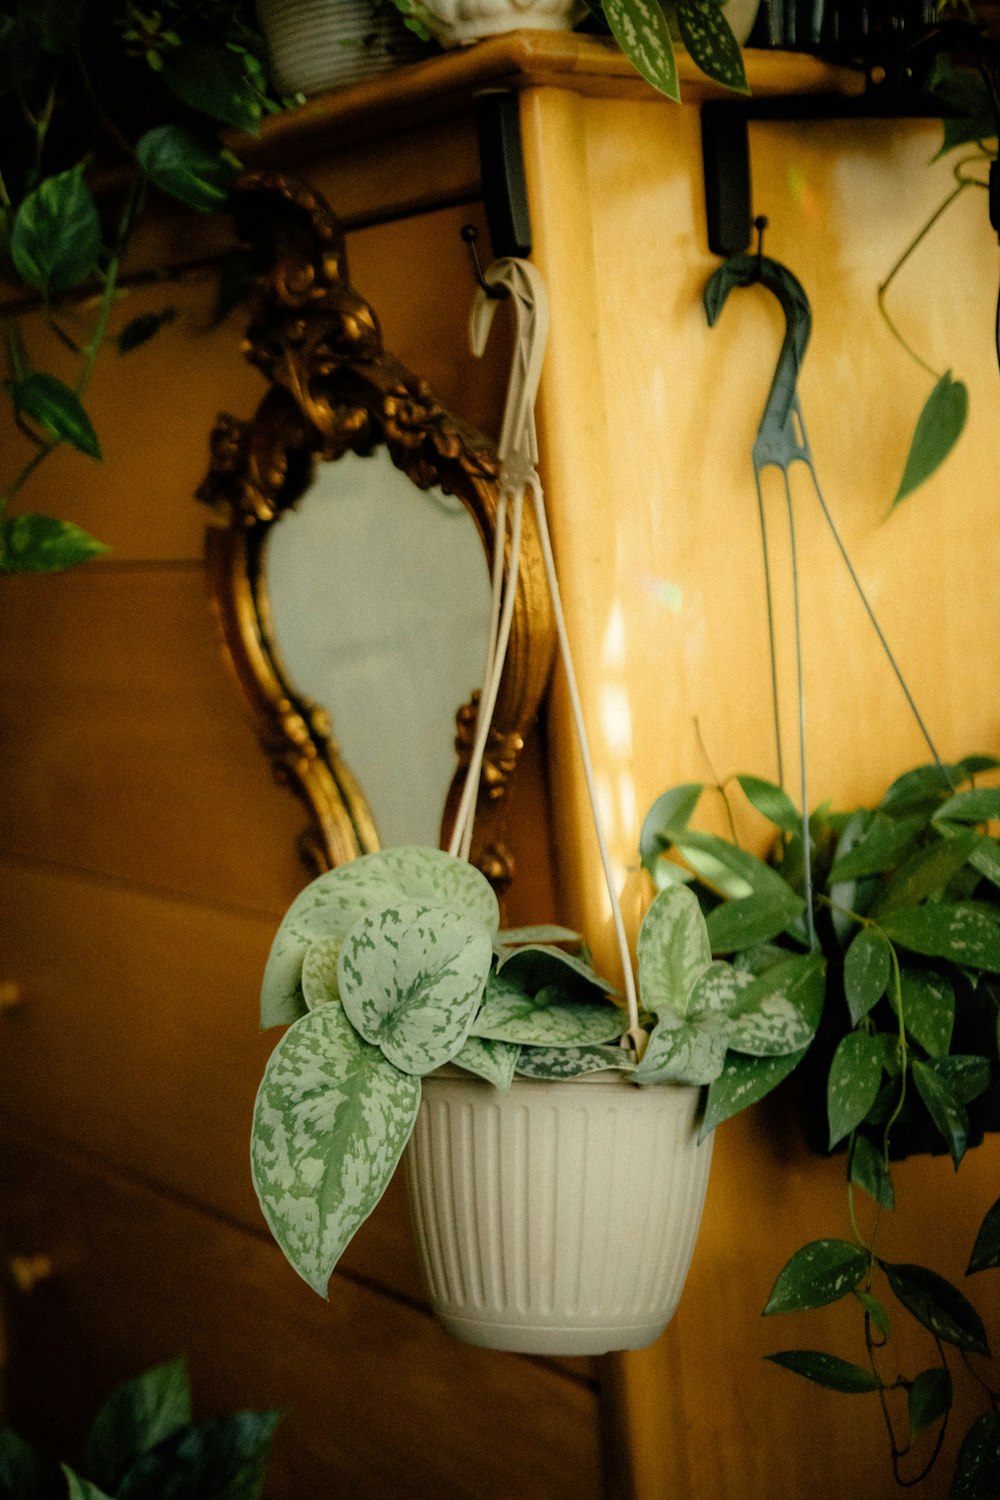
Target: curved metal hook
[525,288]
[778,441]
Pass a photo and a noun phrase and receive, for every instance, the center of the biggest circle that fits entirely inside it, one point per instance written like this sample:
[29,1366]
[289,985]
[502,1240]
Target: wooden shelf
[442,86]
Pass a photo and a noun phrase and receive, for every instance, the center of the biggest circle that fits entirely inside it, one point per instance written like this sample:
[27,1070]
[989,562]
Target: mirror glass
[380,600]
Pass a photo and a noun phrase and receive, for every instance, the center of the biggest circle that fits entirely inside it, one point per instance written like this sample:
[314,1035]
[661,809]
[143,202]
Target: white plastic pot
[559,1218]
[318,45]
[456,23]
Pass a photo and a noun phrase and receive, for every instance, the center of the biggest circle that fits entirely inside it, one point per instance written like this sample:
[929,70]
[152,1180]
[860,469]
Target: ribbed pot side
[559,1218]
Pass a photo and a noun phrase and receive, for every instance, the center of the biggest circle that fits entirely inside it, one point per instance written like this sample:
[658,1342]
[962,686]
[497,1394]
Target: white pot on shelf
[456,23]
[559,1218]
[319,45]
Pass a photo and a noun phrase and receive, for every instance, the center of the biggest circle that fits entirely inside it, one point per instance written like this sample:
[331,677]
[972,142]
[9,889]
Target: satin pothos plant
[645,31]
[394,965]
[895,913]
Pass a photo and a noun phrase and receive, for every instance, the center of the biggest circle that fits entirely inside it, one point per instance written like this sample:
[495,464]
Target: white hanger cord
[519,454]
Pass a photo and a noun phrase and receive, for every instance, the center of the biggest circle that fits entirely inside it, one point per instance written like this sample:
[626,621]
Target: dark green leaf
[947,1112]
[869,1171]
[918,790]
[640,28]
[985,858]
[732,871]
[212,80]
[876,1312]
[41,544]
[930,1398]
[180,163]
[938,429]
[135,1417]
[882,847]
[927,871]
[978,806]
[827,1370]
[26,1474]
[222,1460]
[958,932]
[972,765]
[668,816]
[977,1470]
[853,1083]
[56,408]
[56,237]
[742,1082]
[821,1272]
[966,1075]
[938,1305]
[928,1008]
[140,330]
[772,802]
[80,1488]
[753,919]
[866,972]
[709,39]
[986,1251]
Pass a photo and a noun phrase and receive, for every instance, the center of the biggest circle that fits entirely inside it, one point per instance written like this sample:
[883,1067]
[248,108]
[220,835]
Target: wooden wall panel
[125,750]
[379,1402]
[647,422]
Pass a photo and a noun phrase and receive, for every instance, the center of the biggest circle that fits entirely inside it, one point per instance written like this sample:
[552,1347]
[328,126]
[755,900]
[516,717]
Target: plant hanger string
[518,449]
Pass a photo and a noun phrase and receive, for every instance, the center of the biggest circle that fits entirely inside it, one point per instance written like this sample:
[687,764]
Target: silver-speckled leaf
[331,904]
[779,1012]
[774,1029]
[319,972]
[573,1062]
[411,978]
[691,1051]
[542,1020]
[494,1061]
[537,967]
[331,1120]
[718,988]
[673,951]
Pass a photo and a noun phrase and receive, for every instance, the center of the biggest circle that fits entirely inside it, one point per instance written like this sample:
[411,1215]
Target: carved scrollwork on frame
[333,389]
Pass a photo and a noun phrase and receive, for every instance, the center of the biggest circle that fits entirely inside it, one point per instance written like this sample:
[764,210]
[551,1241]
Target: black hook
[778,440]
[470,235]
[760,224]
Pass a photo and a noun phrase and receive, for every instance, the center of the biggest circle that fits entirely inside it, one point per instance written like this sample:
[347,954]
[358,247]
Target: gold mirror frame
[333,388]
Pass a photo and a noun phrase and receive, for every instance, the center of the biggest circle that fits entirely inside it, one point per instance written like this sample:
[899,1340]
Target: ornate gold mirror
[352,521]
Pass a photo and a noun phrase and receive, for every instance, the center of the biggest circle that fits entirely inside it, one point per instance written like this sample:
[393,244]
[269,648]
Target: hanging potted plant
[555,1170]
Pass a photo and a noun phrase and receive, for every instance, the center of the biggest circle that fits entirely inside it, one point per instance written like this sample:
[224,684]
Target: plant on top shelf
[891,918]
[87,89]
[393,965]
[645,32]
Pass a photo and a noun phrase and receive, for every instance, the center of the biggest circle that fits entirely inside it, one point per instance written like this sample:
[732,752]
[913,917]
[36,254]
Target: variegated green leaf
[742,1082]
[685,1051]
[494,1061]
[513,937]
[411,978]
[331,1121]
[319,972]
[573,1062]
[544,1020]
[673,951]
[720,987]
[709,38]
[779,1012]
[641,31]
[330,906]
[853,1083]
[537,967]
[928,1008]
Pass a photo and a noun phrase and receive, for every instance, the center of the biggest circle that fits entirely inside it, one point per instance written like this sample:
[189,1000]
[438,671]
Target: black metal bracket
[896,88]
[501,158]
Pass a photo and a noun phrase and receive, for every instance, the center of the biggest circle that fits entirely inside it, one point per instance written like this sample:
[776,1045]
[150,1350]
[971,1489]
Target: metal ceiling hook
[781,436]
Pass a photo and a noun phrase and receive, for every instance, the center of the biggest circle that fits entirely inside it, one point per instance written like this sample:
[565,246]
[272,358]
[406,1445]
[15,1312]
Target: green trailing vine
[88,89]
[943,416]
[905,950]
